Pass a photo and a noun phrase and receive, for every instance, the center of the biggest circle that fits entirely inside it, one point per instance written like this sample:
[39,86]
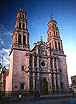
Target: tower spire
[21,9]
[51,17]
[53,36]
[41,37]
[20,36]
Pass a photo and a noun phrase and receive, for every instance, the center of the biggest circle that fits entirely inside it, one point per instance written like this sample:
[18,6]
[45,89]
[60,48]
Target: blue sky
[38,16]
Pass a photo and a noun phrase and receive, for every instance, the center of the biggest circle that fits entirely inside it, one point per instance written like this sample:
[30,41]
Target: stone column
[28,81]
[53,65]
[2,80]
[37,67]
[58,80]
[49,60]
[57,64]
[17,38]
[48,51]
[54,80]
[37,51]
[28,74]
[33,73]
[22,38]
[57,45]
[27,39]
[54,43]
[49,65]
[49,83]
[54,74]
[61,46]
[47,36]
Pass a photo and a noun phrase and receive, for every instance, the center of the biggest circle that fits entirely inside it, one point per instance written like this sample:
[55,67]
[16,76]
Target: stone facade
[44,67]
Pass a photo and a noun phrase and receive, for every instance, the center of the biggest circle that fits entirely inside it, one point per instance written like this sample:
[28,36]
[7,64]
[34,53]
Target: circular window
[43,63]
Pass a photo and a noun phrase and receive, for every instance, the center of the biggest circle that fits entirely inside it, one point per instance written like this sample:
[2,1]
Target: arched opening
[24,40]
[23,26]
[44,86]
[19,39]
[59,45]
[55,45]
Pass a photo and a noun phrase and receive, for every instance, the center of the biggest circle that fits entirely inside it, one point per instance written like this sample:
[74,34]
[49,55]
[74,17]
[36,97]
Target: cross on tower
[51,17]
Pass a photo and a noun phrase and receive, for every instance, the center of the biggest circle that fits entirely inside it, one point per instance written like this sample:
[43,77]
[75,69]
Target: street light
[2,69]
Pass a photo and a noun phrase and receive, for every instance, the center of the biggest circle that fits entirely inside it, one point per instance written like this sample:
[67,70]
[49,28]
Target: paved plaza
[49,101]
[43,99]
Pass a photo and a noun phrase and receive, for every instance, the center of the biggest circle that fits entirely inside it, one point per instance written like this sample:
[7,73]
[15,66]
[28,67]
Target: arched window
[56,82]
[31,82]
[50,34]
[73,82]
[61,79]
[50,48]
[31,78]
[55,62]
[22,86]
[20,15]
[51,64]
[19,25]
[59,45]
[35,62]
[55,45]
[22,68]
[43,63]
[53,86]
[24,40]
[23,15]
[19,39]
[23,26]
[31,63]
[56,33]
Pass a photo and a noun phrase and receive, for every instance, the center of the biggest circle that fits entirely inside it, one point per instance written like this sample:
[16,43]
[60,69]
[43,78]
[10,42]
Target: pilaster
[33,73]
[58,80]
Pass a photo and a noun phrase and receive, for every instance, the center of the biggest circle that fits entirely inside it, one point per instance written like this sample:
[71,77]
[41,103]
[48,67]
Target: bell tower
[20,39]
[19,56]
[53,36]
[57,57]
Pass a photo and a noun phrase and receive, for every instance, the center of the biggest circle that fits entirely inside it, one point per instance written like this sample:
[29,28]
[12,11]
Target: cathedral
[43,68]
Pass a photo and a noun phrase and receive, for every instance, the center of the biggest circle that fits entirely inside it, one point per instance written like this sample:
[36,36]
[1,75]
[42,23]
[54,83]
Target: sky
[38,16]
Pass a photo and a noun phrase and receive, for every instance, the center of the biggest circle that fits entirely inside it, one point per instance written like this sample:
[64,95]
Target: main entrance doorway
[43,86]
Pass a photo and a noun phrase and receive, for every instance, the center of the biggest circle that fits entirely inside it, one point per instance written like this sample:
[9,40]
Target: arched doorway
[44,86]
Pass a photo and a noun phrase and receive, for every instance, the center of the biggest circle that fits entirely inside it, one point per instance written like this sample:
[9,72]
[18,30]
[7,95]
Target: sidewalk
[56,96]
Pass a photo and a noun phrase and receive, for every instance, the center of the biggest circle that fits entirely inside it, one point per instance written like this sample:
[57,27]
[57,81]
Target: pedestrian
[20,97]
